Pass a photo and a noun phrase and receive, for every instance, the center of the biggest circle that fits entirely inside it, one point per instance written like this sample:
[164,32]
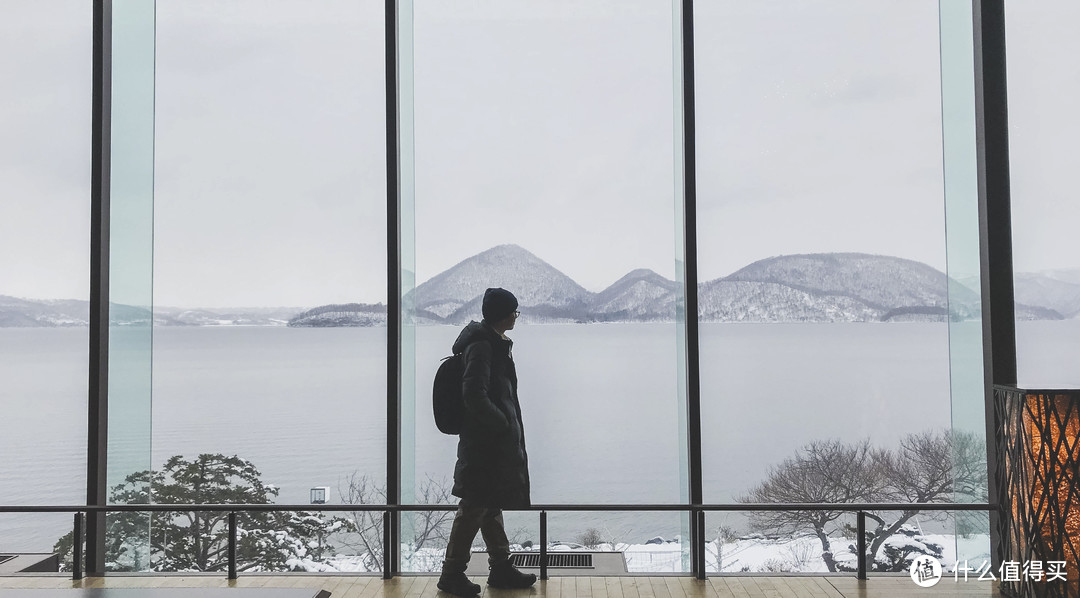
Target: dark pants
[467,521]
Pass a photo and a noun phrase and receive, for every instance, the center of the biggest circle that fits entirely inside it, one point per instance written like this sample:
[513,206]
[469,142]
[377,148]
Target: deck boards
[345,586]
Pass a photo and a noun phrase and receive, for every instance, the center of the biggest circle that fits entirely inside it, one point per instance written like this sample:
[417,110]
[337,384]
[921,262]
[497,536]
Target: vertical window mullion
[995,227]
[693,379]
[393,308]
[98,383]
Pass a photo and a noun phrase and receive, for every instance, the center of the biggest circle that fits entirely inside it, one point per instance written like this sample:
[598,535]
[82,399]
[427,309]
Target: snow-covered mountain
[827,287]
[1045,295]
[30,313]
[851,287]
[23,313]
[1045,290]
[880,282]
[234,316]
[641,295]
[1071,275]
[725,300]
[347,314]
[455,295]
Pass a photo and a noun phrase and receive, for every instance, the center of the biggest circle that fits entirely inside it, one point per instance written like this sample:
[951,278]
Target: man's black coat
[492,464]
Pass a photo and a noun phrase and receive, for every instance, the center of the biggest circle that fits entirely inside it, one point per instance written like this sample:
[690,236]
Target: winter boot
[505,575]
[458,584]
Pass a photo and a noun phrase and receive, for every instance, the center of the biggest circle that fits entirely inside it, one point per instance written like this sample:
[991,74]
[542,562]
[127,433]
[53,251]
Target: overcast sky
[550,125]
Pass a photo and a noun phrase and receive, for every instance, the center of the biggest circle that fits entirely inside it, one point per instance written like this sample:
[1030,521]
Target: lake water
[600,404]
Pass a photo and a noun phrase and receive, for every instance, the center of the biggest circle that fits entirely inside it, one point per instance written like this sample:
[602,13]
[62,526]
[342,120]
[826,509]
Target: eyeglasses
[516,313]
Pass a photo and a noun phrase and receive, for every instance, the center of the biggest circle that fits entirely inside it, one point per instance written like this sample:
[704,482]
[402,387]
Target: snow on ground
[748,554]
[803,554]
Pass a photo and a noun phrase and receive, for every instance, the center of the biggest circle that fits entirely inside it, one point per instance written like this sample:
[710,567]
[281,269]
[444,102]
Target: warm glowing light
[1052,426]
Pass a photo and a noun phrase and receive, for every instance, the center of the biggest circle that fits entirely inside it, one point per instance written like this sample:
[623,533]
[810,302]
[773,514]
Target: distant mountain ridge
[346,314]
[61,313]
[871,279]
[858,287]
[30,313]
[824,287]
[1047,291]
[1046,295]
[829,287]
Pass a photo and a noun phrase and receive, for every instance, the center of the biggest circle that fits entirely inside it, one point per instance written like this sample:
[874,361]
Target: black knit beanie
[498,304]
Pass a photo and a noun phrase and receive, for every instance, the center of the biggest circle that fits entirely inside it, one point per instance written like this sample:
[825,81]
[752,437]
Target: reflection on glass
[548,168]
[824,299]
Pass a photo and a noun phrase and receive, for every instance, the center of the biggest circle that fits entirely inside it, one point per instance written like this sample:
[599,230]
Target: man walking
[492,471]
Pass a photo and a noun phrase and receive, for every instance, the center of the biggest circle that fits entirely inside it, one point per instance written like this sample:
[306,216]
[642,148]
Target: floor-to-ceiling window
[44,286]
[824,301]
[1043,127]
[263,249]
[541,152]
[539,155]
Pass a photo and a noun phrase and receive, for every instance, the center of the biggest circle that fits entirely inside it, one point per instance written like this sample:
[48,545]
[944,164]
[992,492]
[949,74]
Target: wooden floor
[564,587]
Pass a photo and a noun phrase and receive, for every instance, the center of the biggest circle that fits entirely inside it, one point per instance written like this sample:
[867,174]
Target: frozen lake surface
[601,405]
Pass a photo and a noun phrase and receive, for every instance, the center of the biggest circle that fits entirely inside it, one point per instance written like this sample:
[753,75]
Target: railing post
[76,548]
[543,545]
[699,521]
[232,544]
[860,543]
[387,521]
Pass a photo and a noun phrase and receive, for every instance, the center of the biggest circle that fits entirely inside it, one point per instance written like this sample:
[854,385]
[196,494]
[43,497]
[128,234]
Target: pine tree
[185,540]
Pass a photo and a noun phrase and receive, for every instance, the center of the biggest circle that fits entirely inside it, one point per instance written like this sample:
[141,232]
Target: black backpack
[447,400]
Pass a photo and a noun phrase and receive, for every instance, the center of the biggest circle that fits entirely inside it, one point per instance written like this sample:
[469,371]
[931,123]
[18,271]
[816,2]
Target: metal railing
[697,518]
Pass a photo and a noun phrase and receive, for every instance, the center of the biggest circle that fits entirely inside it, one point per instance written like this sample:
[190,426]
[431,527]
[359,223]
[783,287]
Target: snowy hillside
[28,313]
[827,287]
[848,287]
[879,282]
[348,314]
[726,300]
[641,295]
[240,316]
[1048,292]
[738,555]
[454,295]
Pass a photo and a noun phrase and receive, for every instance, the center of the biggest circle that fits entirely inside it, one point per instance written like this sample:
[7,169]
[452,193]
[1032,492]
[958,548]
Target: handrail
[696,511]
[264,507]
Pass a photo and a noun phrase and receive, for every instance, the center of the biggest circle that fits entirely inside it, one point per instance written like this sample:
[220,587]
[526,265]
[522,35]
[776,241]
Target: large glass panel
[269,284]
[131,271]
[824,301]
[1043,128]
[45,66]
[962,248]
[541,159]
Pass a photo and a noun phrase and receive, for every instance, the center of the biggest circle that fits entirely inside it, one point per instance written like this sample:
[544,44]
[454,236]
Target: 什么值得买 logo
[925,571]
